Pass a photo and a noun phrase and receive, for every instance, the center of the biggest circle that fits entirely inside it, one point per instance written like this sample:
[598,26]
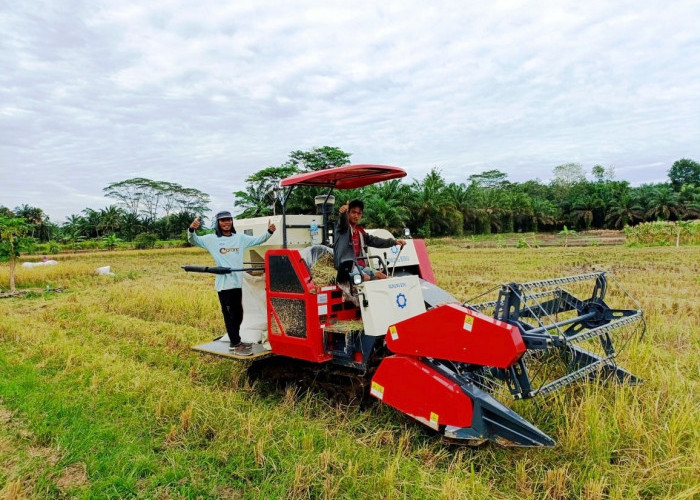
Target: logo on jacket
[401,300]
[224,251]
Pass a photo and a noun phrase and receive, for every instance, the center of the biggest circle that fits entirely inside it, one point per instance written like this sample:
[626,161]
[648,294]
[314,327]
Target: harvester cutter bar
[491,419]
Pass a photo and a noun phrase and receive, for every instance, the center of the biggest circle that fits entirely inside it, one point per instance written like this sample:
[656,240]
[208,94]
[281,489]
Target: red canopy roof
[347,177]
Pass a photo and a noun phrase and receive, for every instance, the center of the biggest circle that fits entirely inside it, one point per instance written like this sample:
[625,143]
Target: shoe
[243,349]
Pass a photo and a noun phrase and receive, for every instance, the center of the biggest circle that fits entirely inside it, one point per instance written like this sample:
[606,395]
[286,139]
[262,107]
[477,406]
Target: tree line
[487,202]
[431,207]
[143,206]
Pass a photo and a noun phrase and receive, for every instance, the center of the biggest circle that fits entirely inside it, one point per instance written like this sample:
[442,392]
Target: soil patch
[72,476]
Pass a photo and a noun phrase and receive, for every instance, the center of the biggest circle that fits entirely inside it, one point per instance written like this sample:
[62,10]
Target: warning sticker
[392,331]
[434,420]
[468,322]
[377,390]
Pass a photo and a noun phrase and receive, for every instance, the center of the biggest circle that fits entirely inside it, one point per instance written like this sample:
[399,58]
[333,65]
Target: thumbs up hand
[195,223]
[344,208]
[271,228]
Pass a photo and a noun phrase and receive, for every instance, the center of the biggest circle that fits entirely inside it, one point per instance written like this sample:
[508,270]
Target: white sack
[36,264]
[104,271]
[254,326]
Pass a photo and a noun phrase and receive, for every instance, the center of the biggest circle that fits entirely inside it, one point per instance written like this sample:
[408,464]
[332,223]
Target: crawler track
[341,385]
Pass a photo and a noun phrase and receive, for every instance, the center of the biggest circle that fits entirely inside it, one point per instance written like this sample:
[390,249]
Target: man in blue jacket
[226,246]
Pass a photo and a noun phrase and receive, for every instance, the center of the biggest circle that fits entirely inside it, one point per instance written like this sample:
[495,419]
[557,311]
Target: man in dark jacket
[351,242]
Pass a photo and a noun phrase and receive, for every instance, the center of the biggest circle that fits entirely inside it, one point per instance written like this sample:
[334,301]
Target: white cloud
[206,94]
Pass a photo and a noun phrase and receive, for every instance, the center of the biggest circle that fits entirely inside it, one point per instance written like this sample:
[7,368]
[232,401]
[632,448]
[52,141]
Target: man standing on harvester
[226,246]
[351,242]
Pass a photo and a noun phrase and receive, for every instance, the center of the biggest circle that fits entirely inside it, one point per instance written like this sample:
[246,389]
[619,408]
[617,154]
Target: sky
[205,93]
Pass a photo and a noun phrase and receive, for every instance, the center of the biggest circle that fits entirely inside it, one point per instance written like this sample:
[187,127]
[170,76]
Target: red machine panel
[416,389]
[293,309]
[458,334]
[425,269]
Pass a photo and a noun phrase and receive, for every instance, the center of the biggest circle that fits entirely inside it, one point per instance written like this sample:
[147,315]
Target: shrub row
[664,233]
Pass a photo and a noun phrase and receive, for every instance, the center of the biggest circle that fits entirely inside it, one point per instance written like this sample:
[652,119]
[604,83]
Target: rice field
[101,397]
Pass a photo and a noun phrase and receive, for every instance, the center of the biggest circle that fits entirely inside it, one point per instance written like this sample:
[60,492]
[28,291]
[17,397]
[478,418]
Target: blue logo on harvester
[401,300]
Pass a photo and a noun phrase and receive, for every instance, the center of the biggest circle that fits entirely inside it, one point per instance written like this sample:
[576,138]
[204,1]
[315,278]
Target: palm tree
[625,210]
[488,208]
[520,208]
[33,216]
[394,190]
[459,196]
[543,212]
[92,221]
[517,207]
[664,204]
[110,219]
[254,200]
[383,212]
[132,225]
[433,213]
[74,229]
[690,200]
[583,209]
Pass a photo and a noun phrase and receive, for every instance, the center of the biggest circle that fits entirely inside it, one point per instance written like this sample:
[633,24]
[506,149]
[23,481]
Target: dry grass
[101,396]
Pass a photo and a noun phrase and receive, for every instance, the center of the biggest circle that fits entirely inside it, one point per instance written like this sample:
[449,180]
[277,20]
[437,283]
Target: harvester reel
[570,334]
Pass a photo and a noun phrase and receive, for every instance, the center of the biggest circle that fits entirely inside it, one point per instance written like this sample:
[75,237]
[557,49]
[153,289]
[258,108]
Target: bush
[664,233]
[30,246]
[145,240]
[111,242]
[53,248]
[91,244]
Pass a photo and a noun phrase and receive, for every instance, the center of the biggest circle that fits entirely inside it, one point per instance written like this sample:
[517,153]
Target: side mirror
[406,232]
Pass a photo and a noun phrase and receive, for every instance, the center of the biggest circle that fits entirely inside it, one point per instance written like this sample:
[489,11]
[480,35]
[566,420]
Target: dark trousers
[232,309]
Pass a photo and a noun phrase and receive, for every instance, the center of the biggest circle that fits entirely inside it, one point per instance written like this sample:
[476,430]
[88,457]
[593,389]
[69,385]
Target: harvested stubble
[348,326]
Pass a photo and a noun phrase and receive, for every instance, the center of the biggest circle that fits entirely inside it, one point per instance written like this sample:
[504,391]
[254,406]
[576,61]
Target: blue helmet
[224,214]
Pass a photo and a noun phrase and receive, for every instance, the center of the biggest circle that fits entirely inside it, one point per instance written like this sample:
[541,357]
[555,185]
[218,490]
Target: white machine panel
[297,237]
[407,257]
[389,301]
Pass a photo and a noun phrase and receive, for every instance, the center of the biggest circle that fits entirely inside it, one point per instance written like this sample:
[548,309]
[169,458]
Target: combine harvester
[452,366]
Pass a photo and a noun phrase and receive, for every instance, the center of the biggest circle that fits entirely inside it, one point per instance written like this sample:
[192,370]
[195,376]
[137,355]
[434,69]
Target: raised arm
[343,218]
[192,234]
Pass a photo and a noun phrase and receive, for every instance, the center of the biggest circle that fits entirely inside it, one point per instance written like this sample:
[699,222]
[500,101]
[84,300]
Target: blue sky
[206,93]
